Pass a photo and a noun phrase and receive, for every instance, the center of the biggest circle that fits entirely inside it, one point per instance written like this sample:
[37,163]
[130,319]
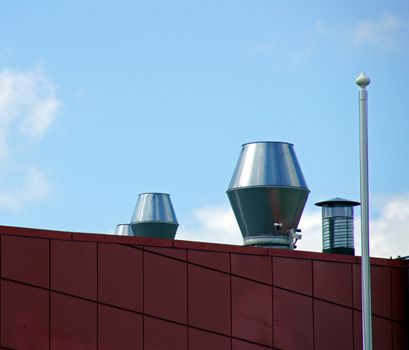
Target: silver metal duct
[154,216]
[123,230]
[267,193]
[338,226]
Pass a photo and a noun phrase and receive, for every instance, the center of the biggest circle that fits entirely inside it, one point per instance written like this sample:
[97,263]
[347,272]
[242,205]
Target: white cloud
[388,32]
[28,107]
[215,224]
[33,187]
[310,224]
[27,98]
[41,117]
[388,231]
[382,33]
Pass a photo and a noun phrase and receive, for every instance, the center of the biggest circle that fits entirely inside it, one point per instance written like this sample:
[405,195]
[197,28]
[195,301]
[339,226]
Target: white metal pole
[363,81]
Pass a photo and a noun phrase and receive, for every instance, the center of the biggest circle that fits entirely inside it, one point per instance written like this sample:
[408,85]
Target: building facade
[63,290]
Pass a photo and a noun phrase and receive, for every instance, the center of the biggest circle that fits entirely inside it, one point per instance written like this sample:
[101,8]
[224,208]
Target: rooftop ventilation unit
[154,216]
[123,230]
[338,226]
[267,193]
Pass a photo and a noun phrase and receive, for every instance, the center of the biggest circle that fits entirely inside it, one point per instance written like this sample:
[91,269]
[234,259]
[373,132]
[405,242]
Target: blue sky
[99,102]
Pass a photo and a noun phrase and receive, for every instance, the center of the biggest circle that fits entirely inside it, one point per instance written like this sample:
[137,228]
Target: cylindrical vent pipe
[154,216]
[338,226]
[267,193]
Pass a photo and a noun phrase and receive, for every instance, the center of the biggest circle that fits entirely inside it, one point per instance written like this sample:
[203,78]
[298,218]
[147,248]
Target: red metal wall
[78,291]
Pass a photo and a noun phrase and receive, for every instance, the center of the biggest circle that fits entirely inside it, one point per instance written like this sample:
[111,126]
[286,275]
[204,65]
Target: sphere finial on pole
[362,81]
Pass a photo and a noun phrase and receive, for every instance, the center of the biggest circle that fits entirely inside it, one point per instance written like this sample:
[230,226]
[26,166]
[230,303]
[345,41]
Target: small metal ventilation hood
[154,216]
[123,230]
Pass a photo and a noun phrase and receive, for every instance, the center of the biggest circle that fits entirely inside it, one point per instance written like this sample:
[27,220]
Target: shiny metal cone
[123,230]
[154,216]
[268,193]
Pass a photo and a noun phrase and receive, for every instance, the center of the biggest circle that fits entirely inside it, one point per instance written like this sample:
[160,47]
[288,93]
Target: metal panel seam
[1,278]
[353,317]
[231,306]
[143,297]
[313,304]
[187,298]
[49,293]
[97,313]
[391,302]
[272,300]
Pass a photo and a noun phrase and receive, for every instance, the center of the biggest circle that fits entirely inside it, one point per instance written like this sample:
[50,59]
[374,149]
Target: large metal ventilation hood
[268,193]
